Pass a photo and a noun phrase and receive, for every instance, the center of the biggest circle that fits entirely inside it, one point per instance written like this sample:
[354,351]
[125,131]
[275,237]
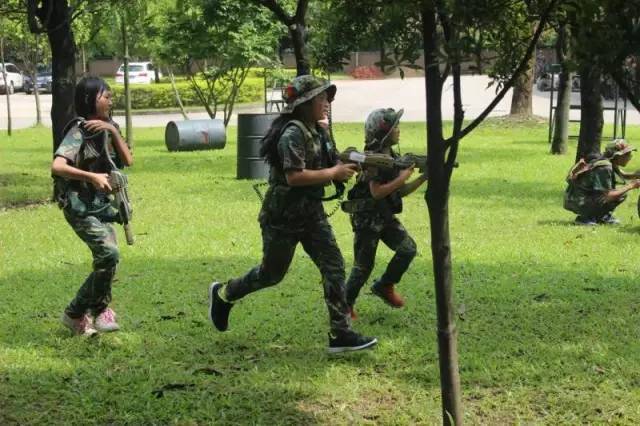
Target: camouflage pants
[595,207]
[278,248]
[95,293]
[365,244]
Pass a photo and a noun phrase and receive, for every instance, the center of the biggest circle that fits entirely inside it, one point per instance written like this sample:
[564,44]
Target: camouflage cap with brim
[304,88]
[382,120]
[617,148]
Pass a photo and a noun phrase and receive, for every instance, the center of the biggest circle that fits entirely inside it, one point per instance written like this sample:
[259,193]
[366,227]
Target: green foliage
[156,96]
[547,312]
[217,41]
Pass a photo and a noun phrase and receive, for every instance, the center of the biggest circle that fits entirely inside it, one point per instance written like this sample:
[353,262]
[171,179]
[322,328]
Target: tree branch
[509,84]
[280,13]
[301,10]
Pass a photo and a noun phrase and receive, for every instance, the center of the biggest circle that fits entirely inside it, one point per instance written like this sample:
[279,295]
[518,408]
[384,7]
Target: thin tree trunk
[560,141]
[6,86]
[591,119]
[127,88]
[436,197]
[178,99]
[84,60]
[36,94]
[63,60]
[522,98]
[34,76]
[297,32]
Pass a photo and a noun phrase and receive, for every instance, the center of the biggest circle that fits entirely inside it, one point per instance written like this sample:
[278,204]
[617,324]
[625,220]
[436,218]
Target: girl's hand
[99,125]
[342,172]
[405,173]
[101,182]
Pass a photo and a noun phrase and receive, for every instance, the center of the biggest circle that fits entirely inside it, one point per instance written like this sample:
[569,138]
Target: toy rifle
[384,161]
[119,183]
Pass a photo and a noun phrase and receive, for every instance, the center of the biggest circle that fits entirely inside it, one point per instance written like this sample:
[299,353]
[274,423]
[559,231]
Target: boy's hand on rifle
[343,172]
[101,182]
[635,183]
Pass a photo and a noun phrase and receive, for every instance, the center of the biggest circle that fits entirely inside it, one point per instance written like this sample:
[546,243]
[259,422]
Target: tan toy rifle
[118,182]
[384,161]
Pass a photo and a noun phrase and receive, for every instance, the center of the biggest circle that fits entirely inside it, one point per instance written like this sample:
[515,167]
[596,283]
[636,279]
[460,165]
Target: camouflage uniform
[378,223]
[585,193]
[89,212]
[292,215]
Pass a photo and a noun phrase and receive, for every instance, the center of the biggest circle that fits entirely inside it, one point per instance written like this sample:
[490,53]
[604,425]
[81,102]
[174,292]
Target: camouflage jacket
[85,152]
[385,209]
[299,147]
[590,187]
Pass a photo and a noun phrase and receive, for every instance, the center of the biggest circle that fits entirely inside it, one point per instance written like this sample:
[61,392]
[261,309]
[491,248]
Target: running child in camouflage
[91,148]
[378,197]
[302,160]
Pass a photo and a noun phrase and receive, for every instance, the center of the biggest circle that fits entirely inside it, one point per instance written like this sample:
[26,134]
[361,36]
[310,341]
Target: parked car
[139,73]
[43,83]
[14,78]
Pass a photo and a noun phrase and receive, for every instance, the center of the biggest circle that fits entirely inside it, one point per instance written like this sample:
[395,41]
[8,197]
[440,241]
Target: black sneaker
[585,221]
[609,219]
[218,308]
[349,341]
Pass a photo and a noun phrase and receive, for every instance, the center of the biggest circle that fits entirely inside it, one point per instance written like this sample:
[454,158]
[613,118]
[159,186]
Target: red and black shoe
[387,293]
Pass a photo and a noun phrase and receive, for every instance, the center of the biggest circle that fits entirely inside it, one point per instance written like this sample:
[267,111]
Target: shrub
[157,96]
[367,72]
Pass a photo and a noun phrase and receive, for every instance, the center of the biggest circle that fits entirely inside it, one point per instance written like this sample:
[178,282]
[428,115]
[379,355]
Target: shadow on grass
[535,325]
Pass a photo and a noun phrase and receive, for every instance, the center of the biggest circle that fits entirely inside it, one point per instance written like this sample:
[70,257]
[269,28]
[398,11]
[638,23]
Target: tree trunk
[297,33]
[36,94]
[522,98]
[63,61]
[127,87]
[6,86]
[177,94]
[560,141]
[436,197]
[591,119]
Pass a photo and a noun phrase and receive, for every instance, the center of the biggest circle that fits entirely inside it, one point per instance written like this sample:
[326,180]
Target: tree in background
[297,27]
[216,42]
[54,18]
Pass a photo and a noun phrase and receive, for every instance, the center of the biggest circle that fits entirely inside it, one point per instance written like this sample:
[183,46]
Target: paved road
[354,100]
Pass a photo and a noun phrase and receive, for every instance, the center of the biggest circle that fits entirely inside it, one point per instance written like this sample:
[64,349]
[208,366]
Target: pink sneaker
[80,326]
[106,321]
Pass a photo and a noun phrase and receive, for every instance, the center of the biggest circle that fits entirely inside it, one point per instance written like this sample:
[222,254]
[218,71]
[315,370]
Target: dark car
[43,83]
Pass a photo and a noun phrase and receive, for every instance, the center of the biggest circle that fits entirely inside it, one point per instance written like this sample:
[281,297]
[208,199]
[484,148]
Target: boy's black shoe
[349,341]
[218,308]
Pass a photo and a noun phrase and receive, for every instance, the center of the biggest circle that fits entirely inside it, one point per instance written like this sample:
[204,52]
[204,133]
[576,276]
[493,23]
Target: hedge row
[152,96]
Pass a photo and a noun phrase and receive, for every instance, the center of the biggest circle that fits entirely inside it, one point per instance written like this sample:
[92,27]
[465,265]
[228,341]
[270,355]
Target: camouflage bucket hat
[617,148]
[379,125]
[304,88]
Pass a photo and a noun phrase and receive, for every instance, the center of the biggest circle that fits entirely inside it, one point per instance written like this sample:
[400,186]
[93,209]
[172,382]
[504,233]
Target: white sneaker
[80,326]
[106,321]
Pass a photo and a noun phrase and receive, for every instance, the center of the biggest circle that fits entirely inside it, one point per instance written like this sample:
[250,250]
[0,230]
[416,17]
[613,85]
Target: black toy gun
[118,182]
[384,161]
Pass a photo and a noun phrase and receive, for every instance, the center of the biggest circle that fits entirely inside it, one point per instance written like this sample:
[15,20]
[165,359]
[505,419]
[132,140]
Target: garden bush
[156,96]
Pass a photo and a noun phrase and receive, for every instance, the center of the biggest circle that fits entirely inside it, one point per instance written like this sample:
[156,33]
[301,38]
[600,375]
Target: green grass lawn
[548,313]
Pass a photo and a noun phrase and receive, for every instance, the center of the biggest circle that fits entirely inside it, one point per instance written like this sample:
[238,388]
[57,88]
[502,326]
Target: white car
[14,78]
[139,73]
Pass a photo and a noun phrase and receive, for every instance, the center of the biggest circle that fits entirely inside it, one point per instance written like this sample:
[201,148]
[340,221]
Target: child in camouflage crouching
[383,191]
[302,160]
[591,185]
[80,169]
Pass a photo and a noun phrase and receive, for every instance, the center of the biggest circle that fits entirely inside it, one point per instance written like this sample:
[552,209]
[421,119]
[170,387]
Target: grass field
[548,312]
